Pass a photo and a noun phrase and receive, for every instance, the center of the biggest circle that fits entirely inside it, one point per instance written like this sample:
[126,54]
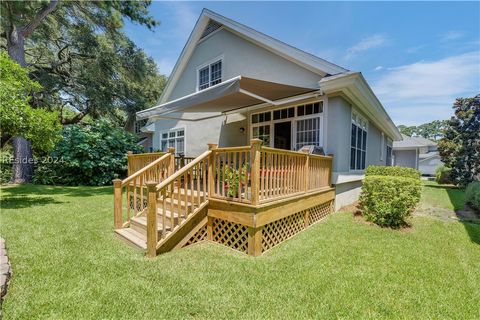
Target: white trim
[382,146]
[293,120]
[210,34]
[302,58]
[362,118]
[175,129]
[355,88]
[205,64]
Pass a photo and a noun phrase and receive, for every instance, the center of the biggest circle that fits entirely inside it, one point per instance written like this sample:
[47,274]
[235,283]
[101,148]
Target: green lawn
[441,196]
[68,265]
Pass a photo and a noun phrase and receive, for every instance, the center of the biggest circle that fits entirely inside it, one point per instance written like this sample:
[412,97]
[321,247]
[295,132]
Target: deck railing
[140,160]
[251,174]
[134,188]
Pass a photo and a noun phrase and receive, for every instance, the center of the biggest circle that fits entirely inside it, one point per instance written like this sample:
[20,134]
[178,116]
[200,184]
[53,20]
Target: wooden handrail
[149,166]
[143,155]
[183,170]
[232,149]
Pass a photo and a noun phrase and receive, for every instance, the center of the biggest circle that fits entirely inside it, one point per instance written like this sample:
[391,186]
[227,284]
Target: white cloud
[378,68]
[185,17]
[415,49]
[373,41]
[451,35]
[425,90]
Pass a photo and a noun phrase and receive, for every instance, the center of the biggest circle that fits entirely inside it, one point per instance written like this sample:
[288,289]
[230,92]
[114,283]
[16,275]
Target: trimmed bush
[472,195]
[389,200]
[442,175]
[392,171]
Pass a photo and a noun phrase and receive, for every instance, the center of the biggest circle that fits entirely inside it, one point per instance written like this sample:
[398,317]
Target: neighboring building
[418,153]
[232,83]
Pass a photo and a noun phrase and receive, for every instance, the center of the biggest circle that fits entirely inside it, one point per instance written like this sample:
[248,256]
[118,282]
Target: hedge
[442,175]
[389,200]
[472,195]
[392,171]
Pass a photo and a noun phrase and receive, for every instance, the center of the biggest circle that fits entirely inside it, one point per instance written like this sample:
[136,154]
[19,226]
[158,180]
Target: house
[232,83]
[240,105]
[418,153]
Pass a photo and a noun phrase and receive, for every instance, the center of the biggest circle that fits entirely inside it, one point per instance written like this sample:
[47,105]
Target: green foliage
[472,195]
[460,146]
[84,60]
[17,117]
[392,171]
[233,178]
[89,155]
[442,175]
[389,200]
[5,166]
[431,130]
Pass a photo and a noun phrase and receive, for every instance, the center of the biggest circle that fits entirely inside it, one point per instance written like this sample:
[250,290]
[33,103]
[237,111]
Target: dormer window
[210,75]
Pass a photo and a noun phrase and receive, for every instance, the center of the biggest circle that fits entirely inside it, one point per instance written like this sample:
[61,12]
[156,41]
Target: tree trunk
[22,167]
[22,170]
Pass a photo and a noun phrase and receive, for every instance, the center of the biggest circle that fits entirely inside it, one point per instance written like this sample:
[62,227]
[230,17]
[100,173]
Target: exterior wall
[241,57]
[347,193]
[405,158]
[428,166]
[338,121]
[223,130]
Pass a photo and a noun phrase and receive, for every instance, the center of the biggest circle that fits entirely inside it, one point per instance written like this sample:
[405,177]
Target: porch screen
[308,133]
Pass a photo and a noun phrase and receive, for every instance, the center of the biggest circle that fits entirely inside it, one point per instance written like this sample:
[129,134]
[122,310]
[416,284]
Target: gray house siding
[241,57]
[338,135]
[405,158]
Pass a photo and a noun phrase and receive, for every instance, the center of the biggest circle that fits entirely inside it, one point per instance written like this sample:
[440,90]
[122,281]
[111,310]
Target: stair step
[132,237]
[189,192]
[139,224]
[174,202]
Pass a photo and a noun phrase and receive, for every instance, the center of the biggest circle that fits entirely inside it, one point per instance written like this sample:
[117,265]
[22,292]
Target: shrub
[472,195]
[392,171]
[389,200]
[88,155]
[5,166]
[442,175]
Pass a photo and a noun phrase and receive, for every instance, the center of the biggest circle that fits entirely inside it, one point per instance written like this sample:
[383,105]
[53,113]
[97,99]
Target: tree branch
[32,25]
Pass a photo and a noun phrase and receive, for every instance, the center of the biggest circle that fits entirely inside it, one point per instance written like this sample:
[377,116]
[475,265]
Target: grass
[68,265]
[442,196]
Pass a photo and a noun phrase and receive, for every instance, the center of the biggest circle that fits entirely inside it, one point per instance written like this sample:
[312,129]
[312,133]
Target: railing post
[117,203]
[255,169]
[254,241]
[211,174]
[152,232]
[306,173]
[330,170]
[171,165]
[129,163]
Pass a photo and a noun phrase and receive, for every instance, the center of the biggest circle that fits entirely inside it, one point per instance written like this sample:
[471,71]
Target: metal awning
[236,93]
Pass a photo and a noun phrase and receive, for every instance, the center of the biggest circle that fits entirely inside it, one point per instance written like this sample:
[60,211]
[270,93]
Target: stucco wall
[347,193]
[241,57]
[405,158]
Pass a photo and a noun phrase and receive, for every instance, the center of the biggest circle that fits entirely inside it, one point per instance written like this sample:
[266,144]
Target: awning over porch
[236,93]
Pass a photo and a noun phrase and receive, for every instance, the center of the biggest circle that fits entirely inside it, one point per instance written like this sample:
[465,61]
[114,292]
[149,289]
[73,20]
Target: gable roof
[302,58]
[412,142]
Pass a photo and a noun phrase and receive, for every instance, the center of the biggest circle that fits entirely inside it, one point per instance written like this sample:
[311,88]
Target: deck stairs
[135,234]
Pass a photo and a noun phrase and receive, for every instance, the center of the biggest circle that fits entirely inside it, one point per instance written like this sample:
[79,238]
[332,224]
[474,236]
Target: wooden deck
[248,198]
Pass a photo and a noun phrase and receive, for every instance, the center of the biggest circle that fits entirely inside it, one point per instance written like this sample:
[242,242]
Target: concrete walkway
[5,272]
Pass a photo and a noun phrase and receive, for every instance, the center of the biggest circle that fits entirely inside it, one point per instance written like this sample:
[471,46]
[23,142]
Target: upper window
[174,138]
[210,75]
[358,143]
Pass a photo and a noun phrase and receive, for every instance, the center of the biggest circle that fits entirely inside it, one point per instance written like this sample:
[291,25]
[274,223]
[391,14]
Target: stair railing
[178,197]
[135,190]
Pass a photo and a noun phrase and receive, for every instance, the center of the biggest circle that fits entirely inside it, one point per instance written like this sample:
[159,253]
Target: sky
[417,56]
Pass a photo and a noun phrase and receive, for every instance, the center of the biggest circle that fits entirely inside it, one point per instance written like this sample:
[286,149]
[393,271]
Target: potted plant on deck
[234,180]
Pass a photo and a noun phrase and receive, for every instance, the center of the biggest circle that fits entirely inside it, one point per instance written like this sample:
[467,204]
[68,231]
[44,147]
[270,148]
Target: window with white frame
[382,146]
[174,138]
[210,75]
[308,133]
[389,154]
[358,143]
[262,132]
[306,122]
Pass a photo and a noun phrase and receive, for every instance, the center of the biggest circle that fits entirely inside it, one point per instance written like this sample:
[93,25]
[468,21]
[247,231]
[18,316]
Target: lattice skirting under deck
[278,231]
[231,234]
[200,235]
[235,235]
